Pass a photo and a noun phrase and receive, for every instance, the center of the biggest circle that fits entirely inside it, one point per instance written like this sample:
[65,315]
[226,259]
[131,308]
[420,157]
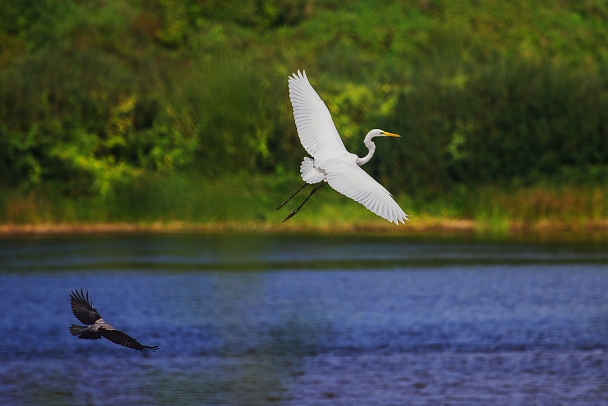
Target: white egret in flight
[331,162]
[96,326]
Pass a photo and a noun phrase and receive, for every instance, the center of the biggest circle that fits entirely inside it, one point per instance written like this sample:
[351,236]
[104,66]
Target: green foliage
[78,120]
[258,14]
[223,103]
[98,97]
[506,122]
[29,25]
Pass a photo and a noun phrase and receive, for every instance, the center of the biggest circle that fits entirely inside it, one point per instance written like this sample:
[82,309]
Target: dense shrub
[78,120]
[506,122]
[95,94]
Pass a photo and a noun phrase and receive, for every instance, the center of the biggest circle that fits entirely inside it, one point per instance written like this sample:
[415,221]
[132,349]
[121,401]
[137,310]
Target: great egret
[97,327]
[331,162]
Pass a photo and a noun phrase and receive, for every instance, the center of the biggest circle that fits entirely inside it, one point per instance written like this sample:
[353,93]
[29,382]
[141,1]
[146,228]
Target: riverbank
[425,226]
[179,204]
[178,227]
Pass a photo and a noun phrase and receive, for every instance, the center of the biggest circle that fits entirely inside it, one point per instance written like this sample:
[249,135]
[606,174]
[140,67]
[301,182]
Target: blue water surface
[305,320]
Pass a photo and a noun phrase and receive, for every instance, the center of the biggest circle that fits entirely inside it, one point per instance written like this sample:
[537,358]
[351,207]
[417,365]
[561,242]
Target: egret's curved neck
[372,148]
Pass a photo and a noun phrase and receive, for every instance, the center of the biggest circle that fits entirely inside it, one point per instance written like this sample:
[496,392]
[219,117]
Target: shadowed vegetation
[167,110]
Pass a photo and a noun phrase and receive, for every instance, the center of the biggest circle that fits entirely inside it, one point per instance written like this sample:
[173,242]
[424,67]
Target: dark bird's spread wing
[120,338]
[82,308]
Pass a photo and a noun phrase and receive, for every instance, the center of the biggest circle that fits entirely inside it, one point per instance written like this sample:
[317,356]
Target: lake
[248,319]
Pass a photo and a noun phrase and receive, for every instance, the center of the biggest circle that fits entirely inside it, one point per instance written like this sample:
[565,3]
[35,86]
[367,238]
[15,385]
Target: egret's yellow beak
[387,134]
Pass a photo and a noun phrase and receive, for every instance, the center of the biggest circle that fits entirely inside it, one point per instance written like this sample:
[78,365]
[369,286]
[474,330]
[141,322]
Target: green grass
[570,206]
[249,201]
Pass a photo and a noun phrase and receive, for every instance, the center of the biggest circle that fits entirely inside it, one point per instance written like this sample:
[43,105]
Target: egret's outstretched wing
[316,129]
[120,338]
[83,308]
[352,181]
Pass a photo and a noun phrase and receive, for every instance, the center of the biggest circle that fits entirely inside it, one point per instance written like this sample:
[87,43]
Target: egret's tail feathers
[310,173]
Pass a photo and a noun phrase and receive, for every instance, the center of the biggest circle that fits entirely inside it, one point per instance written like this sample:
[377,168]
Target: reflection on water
[263,319]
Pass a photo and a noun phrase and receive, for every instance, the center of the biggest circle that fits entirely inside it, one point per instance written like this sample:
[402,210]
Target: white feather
[316,129]
[346,177]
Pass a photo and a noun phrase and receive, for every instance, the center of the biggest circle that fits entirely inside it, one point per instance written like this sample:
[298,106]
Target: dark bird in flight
[96,326]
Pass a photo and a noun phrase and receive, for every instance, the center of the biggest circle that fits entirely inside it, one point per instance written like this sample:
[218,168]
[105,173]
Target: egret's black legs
[290,197]
[293,213]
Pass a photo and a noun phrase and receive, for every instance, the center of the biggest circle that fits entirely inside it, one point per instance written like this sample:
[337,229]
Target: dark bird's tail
[77,330]
[84,332]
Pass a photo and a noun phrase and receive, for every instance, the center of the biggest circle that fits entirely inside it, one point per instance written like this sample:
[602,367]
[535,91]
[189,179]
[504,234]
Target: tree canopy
[94,94]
